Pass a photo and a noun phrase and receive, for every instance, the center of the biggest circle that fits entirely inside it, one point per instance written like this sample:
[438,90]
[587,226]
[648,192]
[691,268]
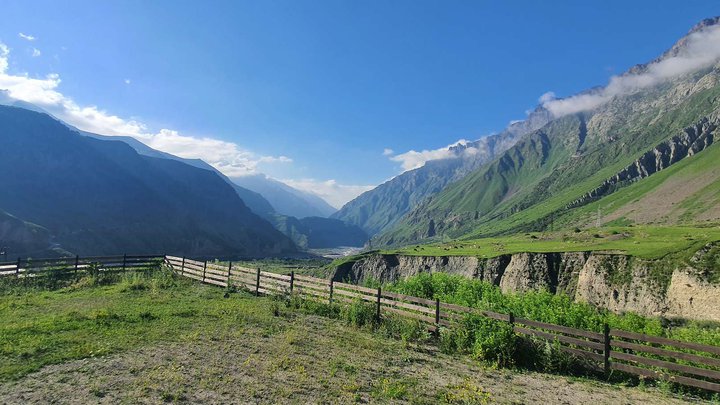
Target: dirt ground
[304,359]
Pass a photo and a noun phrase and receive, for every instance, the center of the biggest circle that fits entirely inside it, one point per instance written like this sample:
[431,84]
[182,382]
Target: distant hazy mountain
[285,199]
[380,208]
[102,197]
[318,233]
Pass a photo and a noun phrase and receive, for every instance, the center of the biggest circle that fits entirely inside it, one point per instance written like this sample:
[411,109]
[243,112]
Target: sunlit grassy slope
[648,242]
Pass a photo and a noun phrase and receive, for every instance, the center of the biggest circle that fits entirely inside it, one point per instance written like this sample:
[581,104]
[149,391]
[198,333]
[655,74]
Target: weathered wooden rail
[25,268]
[691,364]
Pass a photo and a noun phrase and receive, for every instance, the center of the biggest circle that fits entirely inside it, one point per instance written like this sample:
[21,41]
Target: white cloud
[547,97]
[127,81]
[388,152]
[329,190]
[4,52]
[26,36]
[36,52]
[702,49]
[414,159]
[227,157]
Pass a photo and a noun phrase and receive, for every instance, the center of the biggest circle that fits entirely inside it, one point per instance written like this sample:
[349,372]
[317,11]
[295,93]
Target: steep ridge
[18,236]
[102,197]
[256,202]
[692,140]
[380,208]
[571,161]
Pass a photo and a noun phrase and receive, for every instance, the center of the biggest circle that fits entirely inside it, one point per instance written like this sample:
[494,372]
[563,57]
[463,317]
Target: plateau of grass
[645,242]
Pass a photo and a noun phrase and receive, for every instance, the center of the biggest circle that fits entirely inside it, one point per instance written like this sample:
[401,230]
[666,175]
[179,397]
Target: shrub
[408,330]
[359,313]
[311,306]
[484,338]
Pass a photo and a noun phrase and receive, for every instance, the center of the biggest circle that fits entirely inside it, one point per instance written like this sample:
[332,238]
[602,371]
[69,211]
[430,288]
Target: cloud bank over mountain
[228,157]
[700,50]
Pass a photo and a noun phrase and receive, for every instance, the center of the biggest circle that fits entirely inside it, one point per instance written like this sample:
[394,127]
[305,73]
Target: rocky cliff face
[690,141]
[617,282]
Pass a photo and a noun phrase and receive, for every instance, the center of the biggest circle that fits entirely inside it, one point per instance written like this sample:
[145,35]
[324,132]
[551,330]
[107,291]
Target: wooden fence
[691,364]
[25,268]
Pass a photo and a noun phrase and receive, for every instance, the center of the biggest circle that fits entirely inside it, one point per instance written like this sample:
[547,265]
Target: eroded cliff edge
[617,282]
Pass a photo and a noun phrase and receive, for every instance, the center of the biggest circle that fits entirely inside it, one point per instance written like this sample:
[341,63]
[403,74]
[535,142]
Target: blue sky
[313,92]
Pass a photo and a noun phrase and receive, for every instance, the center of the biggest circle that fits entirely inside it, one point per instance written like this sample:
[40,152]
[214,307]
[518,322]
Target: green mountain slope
[380,208]
[553,176]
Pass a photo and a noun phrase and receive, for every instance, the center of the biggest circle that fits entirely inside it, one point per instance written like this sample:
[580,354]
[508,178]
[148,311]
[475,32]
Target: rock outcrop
[690,141]
[617,282]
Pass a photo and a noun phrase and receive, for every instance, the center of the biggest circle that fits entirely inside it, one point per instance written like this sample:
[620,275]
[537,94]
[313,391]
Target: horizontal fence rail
[44,267]
[691,364]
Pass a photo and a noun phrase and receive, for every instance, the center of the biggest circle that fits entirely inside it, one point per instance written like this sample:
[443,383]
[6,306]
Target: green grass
[50,327]
[646,242]
[276,347]
[310,267]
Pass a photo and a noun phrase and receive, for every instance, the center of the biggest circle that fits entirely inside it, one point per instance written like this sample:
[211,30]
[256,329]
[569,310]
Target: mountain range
[604,156]
[637,151]
[95,196]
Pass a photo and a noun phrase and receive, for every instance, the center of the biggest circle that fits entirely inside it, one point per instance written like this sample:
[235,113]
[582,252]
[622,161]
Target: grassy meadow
[642,241]
[159,338]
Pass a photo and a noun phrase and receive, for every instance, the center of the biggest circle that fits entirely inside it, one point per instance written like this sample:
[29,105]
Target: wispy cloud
[702,49]
[329,190]
[228,157]
[127,81]
[413,159]
[36,52]
[388,152]
[26,36]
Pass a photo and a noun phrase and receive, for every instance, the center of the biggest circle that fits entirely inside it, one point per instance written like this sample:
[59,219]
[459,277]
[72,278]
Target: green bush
[484,338]
[408,330]
[312,306]
[541,355]
[359,313]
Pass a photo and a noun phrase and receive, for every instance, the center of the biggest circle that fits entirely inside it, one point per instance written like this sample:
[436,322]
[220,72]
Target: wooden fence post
[606,351]
[377,313]
[292,280]
[437,316]
[182,267]
[511,319]
[124,261]
[257,283]
[204,269]
[330,299]
[229,270]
